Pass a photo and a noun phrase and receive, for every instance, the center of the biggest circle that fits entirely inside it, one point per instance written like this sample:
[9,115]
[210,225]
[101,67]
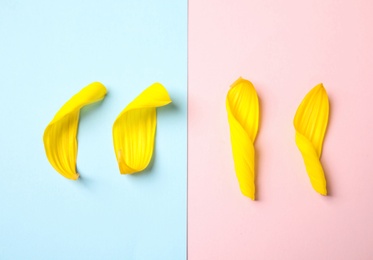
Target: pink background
[285,48]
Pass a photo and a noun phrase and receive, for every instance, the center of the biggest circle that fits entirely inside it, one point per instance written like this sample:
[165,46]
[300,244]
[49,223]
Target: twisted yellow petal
[134,129]
[310,122]
[60,135]
[243,116]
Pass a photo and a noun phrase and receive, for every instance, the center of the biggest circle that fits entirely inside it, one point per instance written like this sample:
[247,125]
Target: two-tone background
[187,204]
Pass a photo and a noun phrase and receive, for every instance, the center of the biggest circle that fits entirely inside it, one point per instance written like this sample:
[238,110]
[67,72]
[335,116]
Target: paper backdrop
[285,48]
[49,50]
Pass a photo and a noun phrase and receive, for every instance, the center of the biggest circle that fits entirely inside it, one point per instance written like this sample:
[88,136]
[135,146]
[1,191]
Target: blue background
[49,50]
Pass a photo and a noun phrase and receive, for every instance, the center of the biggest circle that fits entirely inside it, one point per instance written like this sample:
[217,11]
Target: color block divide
[187,204]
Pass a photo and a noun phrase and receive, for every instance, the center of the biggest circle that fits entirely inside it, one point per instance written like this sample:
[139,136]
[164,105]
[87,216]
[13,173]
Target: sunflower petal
[134,129]
[243,117]
[310,122]
[60,135]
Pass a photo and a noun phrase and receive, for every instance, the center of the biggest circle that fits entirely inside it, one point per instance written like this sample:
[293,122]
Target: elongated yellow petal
[134,129]
[243,116]
[60,135]
[310,122]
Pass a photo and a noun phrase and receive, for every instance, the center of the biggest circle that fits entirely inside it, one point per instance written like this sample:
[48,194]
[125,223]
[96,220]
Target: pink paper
[284,48]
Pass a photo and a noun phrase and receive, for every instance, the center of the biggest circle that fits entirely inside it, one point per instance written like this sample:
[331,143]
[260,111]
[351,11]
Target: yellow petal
[243,116]
[60,135]
[310,122]
[134,129]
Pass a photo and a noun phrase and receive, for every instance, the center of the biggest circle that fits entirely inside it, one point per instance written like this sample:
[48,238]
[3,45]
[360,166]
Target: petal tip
[75,177]
[250,193]
[321,87]
[250,196]
[323,192]
[241,80]
[68,175]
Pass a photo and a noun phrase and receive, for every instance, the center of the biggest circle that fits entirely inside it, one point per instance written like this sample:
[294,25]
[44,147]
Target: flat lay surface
[284,48]
[49,51]
[187,203]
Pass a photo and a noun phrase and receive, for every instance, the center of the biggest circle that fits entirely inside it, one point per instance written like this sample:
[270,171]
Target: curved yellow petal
[60,135]
[243,116]
[310,122]
[134,129]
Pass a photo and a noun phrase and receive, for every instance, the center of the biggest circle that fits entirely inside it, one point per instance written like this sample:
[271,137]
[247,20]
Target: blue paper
[49,50]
